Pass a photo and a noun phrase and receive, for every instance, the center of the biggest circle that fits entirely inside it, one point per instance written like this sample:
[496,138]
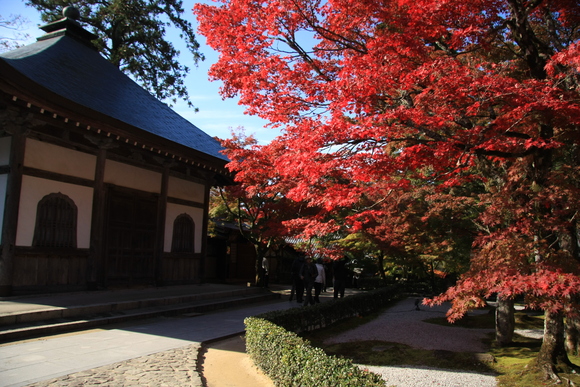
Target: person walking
[340,273]
[320,281]
[328,274]
[297,282]
[308,274]
[265,271]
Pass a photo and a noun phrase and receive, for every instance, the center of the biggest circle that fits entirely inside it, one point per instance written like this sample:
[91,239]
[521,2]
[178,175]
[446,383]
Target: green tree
[132,35]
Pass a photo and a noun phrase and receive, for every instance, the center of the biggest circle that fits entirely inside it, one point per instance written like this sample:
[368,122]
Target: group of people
[308,275]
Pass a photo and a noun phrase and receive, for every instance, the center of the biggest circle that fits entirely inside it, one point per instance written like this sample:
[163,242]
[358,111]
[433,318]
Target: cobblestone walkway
[176,367]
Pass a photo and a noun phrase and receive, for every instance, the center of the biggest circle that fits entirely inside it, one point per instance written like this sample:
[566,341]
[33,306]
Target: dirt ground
[226,364]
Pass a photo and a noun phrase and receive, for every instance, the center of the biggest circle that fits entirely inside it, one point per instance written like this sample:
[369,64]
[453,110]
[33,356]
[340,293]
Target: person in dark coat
[265,271]
[297,283]
[328,274]
[308,274]
[340,274]
[320,280]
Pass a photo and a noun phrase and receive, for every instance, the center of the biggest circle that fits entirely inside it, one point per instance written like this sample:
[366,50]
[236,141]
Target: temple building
[101,184]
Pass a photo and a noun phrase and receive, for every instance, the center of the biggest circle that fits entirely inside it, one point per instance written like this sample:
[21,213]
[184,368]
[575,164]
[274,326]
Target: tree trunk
[432,276]
[573,335]
[569,242]
[381,265]
[258,271]
[505,321]
[552,357]
[260,254]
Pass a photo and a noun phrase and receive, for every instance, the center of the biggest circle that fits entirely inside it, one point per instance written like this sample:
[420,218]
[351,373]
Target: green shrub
[324,314]
[291,361]
[274,346]
[369,283]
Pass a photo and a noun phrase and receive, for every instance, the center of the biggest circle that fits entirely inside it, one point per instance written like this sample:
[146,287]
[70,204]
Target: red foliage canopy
[386,94]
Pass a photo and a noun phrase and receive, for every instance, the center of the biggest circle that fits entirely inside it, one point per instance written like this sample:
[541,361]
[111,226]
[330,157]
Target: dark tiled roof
[80,74]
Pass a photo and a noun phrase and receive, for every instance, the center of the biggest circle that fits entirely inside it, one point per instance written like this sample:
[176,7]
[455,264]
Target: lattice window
[183,234]
[56,222]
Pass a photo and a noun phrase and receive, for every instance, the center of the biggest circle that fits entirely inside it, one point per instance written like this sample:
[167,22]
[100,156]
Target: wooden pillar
[96,268]
[208,186]
[12,204]
[160,229]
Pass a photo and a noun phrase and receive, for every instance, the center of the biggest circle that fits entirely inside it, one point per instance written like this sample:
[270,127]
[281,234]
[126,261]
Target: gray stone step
[19,325]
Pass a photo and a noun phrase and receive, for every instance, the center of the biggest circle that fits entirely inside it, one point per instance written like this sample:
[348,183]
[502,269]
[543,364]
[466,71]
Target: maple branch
[341,40]
[486,229]
[330,35]
[376,203]
[425,131]
[507,155]
[509,133]
[440,44]
[292,43]
[230,211]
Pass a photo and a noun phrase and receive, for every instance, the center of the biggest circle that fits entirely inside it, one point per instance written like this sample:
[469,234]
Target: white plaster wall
[125,175]
[34,189]
[173,211]
[5,150]
[53,158]
[186,190]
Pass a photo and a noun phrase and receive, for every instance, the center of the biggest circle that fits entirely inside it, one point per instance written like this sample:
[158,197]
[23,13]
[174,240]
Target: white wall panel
[186,190]
[53,158]
[125,175]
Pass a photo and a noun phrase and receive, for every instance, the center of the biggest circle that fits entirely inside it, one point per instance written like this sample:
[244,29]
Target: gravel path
[403,324]
[426,377]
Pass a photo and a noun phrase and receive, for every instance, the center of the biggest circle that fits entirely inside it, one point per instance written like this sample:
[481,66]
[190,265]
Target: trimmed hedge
[289,360]
[324,314]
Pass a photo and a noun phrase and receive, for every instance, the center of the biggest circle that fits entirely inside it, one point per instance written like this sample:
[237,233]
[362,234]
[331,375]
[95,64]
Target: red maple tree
[256,203]
[446,92]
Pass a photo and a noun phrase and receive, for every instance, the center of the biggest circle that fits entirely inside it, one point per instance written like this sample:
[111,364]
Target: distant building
[232,258]
[101,184]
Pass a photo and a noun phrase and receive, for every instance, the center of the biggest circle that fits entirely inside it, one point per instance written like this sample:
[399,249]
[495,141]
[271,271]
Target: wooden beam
[12,204]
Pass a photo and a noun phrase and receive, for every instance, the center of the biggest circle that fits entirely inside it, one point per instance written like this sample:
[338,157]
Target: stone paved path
[175,367]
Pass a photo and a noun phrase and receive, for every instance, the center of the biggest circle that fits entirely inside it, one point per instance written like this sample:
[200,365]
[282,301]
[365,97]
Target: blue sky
[216,117]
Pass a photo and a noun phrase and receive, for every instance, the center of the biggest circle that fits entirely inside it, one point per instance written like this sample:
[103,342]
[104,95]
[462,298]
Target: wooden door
[131,230]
